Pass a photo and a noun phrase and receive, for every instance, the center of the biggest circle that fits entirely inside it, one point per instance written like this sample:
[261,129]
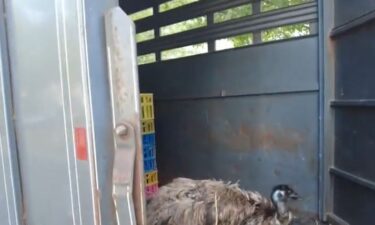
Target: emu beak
[295,196]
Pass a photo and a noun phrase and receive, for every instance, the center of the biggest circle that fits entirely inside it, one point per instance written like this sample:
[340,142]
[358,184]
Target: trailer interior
[257,91]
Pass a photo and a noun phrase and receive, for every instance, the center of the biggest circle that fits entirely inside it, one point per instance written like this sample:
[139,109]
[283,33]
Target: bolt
[121,130]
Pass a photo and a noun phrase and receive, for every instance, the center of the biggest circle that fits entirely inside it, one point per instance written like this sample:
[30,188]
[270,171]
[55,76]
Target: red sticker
[81,143]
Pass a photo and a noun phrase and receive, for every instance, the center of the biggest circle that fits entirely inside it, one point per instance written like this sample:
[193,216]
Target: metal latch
[124,87]
[123,167]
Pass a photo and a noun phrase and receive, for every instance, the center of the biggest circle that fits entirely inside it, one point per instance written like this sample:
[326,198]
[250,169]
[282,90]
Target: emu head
[280,195]
[283,193]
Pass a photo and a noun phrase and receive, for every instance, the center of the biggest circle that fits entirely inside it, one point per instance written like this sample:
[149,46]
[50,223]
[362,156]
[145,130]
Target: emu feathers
[209,202]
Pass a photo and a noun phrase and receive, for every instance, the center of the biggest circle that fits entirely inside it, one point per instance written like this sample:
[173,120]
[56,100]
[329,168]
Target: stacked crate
[149,145]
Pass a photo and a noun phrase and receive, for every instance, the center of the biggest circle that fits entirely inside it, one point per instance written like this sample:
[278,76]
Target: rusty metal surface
[259,140]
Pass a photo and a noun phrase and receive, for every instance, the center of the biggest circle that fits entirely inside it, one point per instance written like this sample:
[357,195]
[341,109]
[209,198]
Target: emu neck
[281,209]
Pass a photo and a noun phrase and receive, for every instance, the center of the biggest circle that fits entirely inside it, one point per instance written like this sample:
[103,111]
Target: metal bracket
[128,157]
[123,167]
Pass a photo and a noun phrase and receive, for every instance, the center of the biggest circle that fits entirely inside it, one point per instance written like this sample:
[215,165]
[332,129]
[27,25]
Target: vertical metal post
[257,36]
[123,76]
[10,188]
[157,31]
[326,116]
[210,22]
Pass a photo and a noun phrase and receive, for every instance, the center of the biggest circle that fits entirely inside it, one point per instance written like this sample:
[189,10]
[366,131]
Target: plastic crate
[151,178]
[148,127]
[147,106]
[149,165]
[148,139]
[151,190]
[149,152]
[147,98]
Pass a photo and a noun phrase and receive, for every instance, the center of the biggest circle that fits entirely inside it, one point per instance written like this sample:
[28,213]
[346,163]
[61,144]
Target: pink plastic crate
[151,190]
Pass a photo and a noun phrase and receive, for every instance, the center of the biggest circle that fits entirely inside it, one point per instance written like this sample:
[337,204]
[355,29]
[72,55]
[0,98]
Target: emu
[209,202]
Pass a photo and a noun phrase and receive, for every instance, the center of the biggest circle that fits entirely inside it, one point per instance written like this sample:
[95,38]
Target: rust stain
[264,138]
[245,137]
[249,138]
[312,161]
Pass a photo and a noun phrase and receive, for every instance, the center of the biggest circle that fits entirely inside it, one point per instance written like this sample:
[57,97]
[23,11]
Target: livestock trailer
[260,91]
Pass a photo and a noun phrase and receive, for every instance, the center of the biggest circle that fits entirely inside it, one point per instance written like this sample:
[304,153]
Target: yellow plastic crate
[147,98]
[148,126]
[151,178]
[147,106]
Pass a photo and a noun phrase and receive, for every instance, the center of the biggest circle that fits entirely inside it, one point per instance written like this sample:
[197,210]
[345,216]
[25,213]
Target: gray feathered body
[209,202]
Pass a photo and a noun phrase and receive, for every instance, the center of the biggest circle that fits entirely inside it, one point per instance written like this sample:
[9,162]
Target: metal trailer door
[352,173]
[52,112]
[63,116]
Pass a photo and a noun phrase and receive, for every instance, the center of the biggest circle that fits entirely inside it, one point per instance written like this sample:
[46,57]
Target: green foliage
[142,14]
[268,5]
[279,33]
[145,36]
[219,17]
[234,42]
[174,4]
[184,26]
[233,13]
[145,59]
[242,40]
[230,14]
[184,51]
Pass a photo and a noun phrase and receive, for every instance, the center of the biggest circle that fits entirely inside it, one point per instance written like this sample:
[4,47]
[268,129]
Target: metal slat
[355,23]
[298,14]
[132,6]
[353,103]
[237,73]
[353,178]
[186,12]
[335,220]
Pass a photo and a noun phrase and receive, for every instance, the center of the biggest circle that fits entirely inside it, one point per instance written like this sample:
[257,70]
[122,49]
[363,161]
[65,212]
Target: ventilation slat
[306,13]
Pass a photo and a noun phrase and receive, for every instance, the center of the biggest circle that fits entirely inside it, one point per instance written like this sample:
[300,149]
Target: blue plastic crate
[149,164]
[149,139]
[149,152]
